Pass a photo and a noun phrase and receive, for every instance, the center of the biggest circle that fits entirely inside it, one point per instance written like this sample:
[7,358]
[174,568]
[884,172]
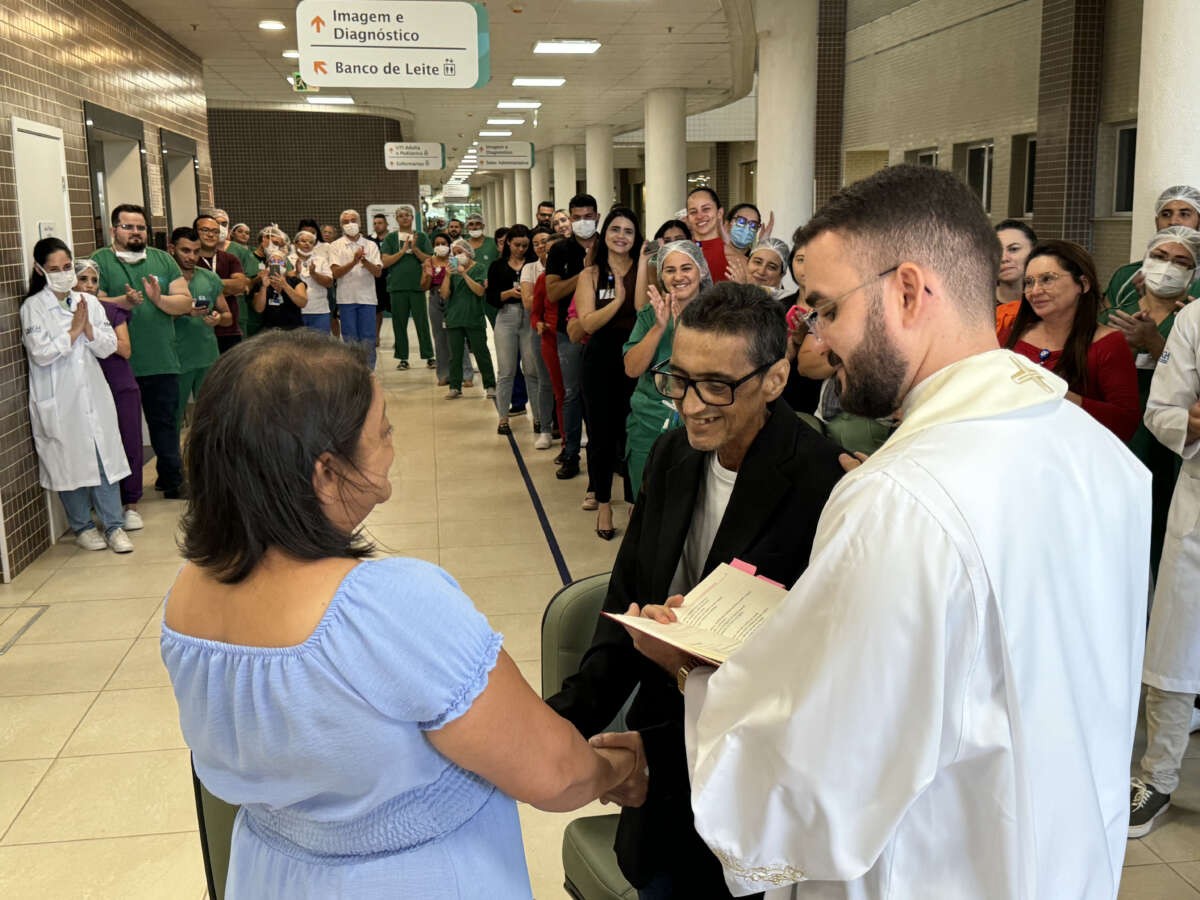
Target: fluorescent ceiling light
[519,104]
[330,101]
[538,82]
[495,134]
[272,25]
[506,121]
[291,54]
[474,143]
[566,46]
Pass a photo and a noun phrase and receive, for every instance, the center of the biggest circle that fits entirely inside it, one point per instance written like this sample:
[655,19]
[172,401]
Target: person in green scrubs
[463,293]
[403,253]
[195,338]
[1177,205]
[486,253]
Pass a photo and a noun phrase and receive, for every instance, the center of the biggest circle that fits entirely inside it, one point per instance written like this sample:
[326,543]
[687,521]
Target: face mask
[1165,278]
[131,256]
[464,261]
[350,229]
[742,236]
[475,232]
[60,282]
[224,234]
[441,250]
[302,252]
[583,228]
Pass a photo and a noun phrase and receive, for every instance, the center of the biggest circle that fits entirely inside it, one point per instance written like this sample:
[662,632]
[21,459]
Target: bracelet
[684,671]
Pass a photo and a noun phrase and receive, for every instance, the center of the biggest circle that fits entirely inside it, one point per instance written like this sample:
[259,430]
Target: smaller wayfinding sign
[505,155]
[393,43]
[401,156]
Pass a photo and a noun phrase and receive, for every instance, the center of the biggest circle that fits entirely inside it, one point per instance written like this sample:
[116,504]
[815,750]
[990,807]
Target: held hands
[631,791]
[851,461]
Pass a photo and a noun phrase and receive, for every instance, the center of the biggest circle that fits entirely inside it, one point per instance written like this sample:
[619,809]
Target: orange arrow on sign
[319,67]
[317,23]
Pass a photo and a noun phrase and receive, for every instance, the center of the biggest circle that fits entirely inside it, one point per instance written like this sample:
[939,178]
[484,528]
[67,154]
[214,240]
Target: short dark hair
[501,232]
[459,221]
[733,212]
[673,223]
[132,208]
[269,408]
[549,203]
[441,234]
[704,189]
[741,310]
[378,216]
[184,233]
[1018,225]
[917,214]
[309,223]
[583,201]
[540,229]
[200,218]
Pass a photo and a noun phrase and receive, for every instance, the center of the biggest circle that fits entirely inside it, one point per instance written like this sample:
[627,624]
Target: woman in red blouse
[1056,327]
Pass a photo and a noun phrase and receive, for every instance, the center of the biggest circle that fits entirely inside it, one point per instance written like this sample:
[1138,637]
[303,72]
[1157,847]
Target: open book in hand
[717,615]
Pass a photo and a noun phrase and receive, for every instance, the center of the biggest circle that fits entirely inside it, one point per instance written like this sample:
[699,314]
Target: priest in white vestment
[944,704]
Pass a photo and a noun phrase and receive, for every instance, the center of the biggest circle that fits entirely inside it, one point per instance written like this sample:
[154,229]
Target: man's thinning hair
[917,214]
[741,310]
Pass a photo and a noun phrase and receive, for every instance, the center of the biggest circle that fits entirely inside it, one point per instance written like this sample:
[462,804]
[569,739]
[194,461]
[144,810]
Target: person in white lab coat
[943,706]
[1172,670]
[70,406]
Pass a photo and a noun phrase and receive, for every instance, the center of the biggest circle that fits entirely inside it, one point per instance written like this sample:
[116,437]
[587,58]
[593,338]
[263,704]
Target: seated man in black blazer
[744,479]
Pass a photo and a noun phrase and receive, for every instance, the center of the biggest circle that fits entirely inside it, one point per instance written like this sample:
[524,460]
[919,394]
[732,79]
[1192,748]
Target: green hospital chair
[215,818]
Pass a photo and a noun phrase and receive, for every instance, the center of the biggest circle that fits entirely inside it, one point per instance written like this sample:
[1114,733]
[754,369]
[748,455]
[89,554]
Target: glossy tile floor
[95,793]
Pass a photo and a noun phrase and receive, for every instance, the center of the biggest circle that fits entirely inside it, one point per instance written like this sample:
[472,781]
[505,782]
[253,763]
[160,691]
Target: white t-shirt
[711,500]
[318,294]
[531,271]
[357,285]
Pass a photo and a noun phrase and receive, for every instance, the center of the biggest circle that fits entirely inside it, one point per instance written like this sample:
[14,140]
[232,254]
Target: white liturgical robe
[944,704]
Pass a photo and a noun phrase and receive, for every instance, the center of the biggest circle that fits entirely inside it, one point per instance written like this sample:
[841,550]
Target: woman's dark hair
[269,408]
[733,212]
[704,189]
[1072,364]
[311,225]
[1018,225]
[672,223]
[42,251]
[441,234]
[520,231]
[600,254]
[500,233]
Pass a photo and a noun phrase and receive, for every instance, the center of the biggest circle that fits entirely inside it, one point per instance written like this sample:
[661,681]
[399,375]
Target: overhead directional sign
[399,156]
[394,43]
[505,155]
[456,191]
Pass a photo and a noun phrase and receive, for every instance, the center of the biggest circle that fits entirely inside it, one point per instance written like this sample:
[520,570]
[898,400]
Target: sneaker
[489,393]
[516,410]
[1146,804]
[91,539]
[589,502]
[176,493]
[543,442]
[503,428]
[431,363]
[569,469]
[403,364]
[133,520]
[119,541]
[562,455]
[452,394]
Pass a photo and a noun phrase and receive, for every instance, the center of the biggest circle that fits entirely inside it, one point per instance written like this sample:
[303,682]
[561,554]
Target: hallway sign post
[398,44]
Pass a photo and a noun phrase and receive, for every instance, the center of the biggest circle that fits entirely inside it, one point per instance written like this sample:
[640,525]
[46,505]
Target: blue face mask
[742,235]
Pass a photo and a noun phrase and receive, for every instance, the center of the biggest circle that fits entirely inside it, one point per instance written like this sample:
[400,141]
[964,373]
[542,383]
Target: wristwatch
[684,671]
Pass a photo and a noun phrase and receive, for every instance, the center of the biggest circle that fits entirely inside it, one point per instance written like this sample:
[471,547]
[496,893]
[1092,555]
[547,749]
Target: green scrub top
[487,254]
[650,413]
[1122,295]
[151,331]
[196,342]
[251,266]
[463,308]
[405,273]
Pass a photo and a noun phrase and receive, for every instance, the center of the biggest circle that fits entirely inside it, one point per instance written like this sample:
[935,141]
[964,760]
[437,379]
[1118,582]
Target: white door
[44,210]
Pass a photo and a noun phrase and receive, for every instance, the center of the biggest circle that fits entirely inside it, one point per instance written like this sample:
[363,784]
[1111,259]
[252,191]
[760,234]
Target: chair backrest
[215,818]
[568,626]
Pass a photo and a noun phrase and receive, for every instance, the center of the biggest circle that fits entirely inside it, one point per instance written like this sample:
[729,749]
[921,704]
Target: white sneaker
[91,540]
[119,541]
[543,442]
[133,520]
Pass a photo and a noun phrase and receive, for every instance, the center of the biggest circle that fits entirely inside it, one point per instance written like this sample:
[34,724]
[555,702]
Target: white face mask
[441,250]
[475,232]
[60,282]
[350,229]
[224,234]
[131,256]
[464,261]
[1165,278]
[583,228]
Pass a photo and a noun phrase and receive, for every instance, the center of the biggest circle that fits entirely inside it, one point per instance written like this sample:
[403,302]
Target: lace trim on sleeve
[472,687]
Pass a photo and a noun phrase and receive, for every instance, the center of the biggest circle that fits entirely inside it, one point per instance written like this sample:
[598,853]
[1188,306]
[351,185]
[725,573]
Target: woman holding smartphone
[282,295]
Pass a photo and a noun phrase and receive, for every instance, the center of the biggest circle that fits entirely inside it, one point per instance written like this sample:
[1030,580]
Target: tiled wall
[281,166]
[53,57]
[831,86]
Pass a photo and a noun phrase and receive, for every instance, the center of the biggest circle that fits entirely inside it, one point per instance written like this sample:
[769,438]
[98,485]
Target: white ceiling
[704,46]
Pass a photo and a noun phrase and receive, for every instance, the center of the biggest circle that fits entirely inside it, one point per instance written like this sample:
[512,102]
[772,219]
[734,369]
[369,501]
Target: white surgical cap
[776,246]
[461,246]
[1184,192]
[412,211]
[692,250]
[1177,234]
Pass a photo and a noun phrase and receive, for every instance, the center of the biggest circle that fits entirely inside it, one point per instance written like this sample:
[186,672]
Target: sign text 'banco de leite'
[399,44]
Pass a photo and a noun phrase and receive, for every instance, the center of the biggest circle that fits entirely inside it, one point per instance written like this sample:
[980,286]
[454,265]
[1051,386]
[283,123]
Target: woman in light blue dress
[362,713]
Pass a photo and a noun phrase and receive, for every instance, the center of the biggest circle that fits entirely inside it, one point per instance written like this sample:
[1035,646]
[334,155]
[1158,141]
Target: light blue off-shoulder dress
[323,746]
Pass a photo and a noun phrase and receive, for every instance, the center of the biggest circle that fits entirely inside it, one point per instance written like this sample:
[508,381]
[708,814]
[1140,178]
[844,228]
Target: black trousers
[226,342]
[160,403]
[606,392]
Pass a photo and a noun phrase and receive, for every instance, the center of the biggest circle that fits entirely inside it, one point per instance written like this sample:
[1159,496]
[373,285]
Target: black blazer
[781,488]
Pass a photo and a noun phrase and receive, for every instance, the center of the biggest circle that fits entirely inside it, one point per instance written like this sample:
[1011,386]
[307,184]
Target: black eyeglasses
[711,391]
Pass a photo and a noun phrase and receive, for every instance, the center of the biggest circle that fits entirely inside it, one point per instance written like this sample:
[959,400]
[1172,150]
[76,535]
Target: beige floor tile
[398,538]
[127,722]
[147,548]
[92,620]
[395,512]
[1178,838]
[511,594]
[1189,872]
[522,635]
[150,867]
[489,492]
[59,668]
[542,834]
[531,671]
[17,621]
[1158,882]
[1138,854]
[37,727]
[500,560]
[18,778]
[142,667]
[467,508]
[107,582]
[153,627]
[109,796]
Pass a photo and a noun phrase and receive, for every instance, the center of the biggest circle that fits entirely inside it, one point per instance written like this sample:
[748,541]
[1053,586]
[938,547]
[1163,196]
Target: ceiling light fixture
[506,121]
[291,54]
[519,104]
[538,82]
[330,101]
[272,25]
[567,46]
[495,134]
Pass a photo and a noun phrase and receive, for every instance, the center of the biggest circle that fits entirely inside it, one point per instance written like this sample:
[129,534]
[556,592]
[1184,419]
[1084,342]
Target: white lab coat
[1173,644]
[70,405]
[944,704]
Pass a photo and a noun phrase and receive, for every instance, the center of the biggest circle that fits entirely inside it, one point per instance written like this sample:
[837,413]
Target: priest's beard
[874,374]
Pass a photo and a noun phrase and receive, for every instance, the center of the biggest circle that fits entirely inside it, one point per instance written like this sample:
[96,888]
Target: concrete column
[1166,152]
[508,190]
[787,105]
[599,163]
[485,200]
[666,156]
[564,175]
[539,181]
[524,211]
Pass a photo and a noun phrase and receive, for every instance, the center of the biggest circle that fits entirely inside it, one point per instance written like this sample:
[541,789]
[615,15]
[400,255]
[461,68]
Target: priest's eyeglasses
[711,391]
[824,311]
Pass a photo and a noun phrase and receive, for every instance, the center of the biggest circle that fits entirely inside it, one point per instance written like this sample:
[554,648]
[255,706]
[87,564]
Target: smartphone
[275,269]
[453,264]
[201,303]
